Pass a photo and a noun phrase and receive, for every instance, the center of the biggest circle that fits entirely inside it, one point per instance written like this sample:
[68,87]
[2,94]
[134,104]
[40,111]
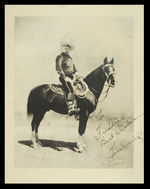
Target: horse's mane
[95,81]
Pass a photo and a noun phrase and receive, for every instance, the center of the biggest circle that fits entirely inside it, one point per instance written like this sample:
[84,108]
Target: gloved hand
[78,75]
[68,79]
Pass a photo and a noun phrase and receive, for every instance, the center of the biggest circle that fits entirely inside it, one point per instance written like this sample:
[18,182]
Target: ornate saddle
[80,88]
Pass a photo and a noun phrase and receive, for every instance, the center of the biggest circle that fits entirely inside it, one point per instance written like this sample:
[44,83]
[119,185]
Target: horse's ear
[112,61]
[105,60]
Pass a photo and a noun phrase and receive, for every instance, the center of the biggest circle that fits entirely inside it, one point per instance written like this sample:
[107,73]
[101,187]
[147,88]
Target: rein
[107,90]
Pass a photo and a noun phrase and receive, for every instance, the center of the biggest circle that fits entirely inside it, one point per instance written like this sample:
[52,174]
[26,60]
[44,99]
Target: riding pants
[68,88]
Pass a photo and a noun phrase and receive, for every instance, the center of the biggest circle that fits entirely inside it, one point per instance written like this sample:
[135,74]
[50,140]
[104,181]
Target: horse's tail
[34,100]
[30,104]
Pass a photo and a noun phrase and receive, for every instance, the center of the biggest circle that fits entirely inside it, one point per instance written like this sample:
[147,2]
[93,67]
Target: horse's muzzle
[112,81]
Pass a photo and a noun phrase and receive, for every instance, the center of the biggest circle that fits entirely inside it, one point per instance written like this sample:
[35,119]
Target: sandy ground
[58,136]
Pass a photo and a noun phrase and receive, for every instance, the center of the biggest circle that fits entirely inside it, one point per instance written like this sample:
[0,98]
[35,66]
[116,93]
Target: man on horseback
[67,70]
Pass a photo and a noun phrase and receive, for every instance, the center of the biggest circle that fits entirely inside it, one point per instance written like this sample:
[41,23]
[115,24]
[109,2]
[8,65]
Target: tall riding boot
[72,107]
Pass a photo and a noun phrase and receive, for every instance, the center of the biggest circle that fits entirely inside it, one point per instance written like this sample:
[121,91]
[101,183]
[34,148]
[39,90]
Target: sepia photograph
[71,77]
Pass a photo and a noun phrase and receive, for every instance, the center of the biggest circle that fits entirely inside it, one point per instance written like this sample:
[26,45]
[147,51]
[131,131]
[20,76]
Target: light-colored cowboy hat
[67,41]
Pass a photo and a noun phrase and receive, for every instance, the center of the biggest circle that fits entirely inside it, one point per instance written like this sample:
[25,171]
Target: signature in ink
[115,150]
[114,129]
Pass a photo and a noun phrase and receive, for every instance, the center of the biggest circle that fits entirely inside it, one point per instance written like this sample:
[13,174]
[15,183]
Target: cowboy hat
[66,41]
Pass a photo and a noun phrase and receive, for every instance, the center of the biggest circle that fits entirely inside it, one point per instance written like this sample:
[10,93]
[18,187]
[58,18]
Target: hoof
[80,148]
[77,150]
[59,149]
[37,145]
[84,147]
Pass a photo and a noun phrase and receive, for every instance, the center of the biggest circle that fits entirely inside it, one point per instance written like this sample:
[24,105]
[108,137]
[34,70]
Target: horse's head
[108,68]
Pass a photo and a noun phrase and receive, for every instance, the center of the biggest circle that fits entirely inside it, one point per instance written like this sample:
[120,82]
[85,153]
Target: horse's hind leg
[37,117]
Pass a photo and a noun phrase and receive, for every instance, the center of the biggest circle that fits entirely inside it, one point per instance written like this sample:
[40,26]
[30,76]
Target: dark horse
[42,99]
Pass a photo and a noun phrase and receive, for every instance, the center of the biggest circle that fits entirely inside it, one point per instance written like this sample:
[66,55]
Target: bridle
[108,75]
[108,80]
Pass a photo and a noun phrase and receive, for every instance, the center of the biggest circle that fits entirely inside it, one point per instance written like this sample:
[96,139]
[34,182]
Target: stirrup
[73,111]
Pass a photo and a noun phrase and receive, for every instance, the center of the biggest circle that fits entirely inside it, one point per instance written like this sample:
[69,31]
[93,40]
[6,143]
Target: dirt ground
[58,135]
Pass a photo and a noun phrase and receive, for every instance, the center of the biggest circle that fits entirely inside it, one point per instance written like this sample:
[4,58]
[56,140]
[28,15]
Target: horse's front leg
[81,147]
[84,115]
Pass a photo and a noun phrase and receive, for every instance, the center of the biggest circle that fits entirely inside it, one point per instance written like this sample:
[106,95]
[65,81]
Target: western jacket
[64,64]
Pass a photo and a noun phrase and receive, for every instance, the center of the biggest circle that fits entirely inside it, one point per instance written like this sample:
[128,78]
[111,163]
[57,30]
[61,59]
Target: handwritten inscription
[114,129]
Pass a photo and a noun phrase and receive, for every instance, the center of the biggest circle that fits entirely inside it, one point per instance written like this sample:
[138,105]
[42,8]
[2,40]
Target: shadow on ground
[56,145]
